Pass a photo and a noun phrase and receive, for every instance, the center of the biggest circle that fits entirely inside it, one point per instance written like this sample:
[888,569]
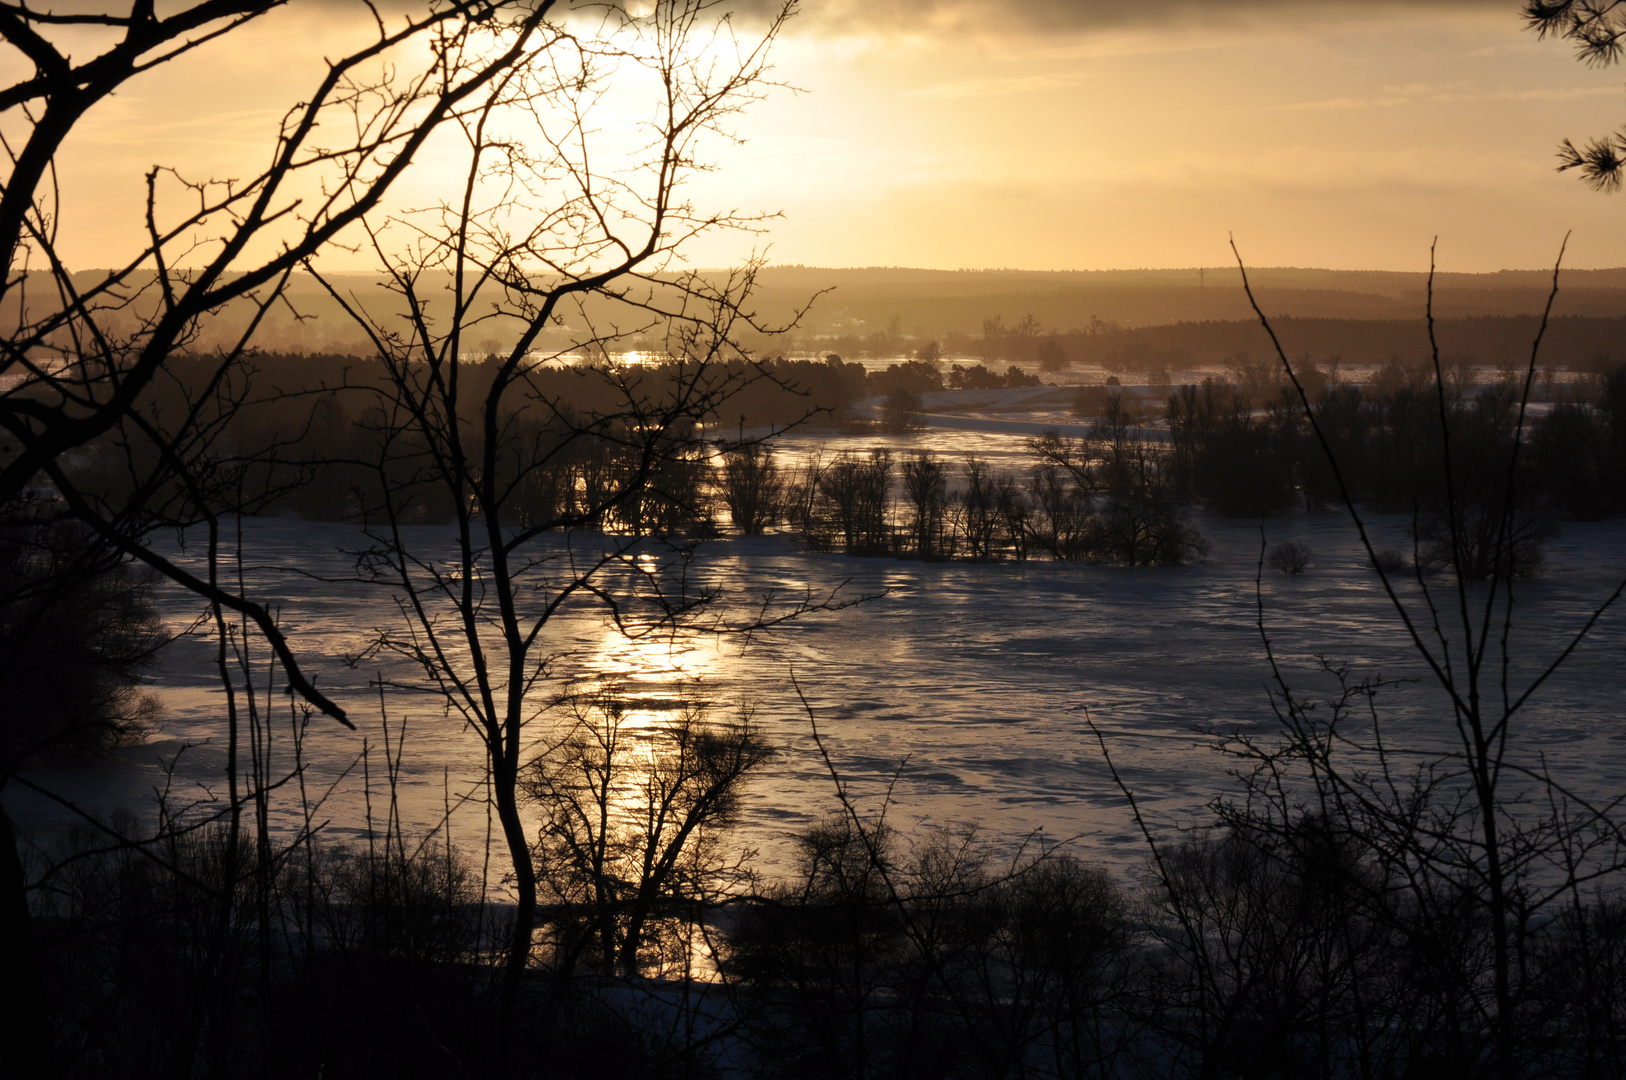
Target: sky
[1044,135]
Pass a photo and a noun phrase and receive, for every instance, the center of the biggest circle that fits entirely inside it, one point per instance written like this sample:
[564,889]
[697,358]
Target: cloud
[998,87]
[1000,17]
[1424,94]
[1344,103]
[993,19]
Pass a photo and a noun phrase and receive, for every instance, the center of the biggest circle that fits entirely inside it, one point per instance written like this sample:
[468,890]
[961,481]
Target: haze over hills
[1131,318]
[943,302]
[1152,319]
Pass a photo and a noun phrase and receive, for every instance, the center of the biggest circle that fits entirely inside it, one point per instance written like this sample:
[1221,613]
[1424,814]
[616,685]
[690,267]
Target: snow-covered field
[969,682]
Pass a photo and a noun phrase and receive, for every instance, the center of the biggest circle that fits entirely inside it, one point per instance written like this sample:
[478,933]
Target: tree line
[308,433]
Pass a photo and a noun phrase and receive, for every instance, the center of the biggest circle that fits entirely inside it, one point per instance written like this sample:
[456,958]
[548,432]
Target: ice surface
[967,682]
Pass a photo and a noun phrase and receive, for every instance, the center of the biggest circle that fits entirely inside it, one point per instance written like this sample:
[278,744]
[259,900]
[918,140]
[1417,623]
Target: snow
[965,687]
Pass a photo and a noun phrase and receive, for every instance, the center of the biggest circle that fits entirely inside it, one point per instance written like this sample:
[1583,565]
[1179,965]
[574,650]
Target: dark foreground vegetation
[1302,945]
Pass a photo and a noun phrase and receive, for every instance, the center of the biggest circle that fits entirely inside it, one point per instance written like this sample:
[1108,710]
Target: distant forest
[315,434]
[1168,317]
[932,303]
[1579,343]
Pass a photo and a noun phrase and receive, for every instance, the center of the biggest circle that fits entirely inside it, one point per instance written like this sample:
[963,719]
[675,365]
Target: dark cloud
[1073,16]
[1001,17]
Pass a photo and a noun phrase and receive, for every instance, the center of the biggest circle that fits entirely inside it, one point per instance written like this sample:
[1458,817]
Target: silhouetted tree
[978,500]
[1015,514]
[481,611]
[1597,30]
[925,488]
[753,487]
[1473,857]
[857,492]
[631,846]
[1059,522]
[85,352]
[913,376]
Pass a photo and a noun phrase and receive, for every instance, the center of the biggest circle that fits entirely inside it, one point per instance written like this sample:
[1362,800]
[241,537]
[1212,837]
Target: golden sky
[1059,135]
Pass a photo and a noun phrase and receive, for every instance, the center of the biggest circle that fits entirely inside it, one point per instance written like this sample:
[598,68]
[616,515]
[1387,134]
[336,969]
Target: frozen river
[972,677]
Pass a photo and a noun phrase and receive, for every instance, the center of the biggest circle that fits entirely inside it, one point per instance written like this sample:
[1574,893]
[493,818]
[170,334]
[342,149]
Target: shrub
[1052,356]
[1289,557]
[753,487]
[1391,562]
[901,411]
[1141,532]
[633,821]
[925,487]
[856,492]
[925,962]
[1487,542]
